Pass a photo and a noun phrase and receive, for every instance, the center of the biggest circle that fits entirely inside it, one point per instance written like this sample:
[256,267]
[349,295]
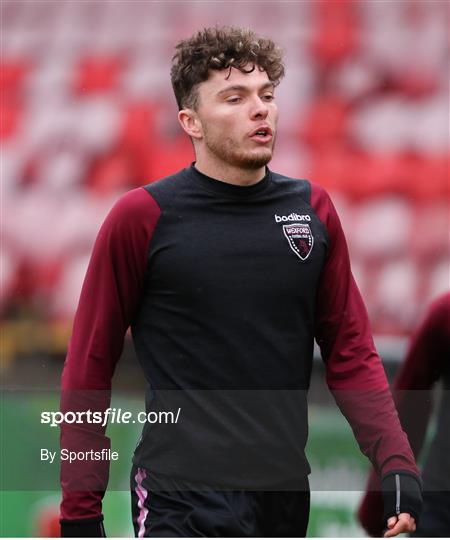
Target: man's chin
[254,161]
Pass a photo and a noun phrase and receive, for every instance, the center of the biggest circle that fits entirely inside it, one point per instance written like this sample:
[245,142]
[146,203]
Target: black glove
[90,527]
[402,493]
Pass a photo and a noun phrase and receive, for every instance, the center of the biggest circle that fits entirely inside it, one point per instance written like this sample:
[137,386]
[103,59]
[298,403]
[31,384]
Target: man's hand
[400,524]
[402,496]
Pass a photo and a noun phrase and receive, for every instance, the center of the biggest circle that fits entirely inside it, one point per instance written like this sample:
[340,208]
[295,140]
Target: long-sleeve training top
[225,288]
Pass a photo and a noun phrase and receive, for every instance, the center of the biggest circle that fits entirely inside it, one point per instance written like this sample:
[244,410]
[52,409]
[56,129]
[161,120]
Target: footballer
[226,272]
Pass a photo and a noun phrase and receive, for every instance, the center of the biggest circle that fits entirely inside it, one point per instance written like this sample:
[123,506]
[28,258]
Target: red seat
[98,74]
[11,115]
[337,27]
[139,122]
[173,154]
[111,172]
[326,121]
[12,76]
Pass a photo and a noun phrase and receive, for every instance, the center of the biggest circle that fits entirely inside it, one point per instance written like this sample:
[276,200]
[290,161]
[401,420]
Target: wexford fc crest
[300,239]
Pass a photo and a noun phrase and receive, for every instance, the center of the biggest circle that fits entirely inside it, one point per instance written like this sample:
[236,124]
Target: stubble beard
[228,151]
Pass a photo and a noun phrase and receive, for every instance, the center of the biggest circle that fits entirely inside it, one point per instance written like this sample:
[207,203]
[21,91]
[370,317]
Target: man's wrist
[402,493]
[84,528]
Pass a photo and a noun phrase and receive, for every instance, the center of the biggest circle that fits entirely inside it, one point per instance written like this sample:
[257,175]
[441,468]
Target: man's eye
[269,97]
[233,99]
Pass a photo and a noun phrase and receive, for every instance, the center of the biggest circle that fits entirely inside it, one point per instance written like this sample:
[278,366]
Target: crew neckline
[230,190]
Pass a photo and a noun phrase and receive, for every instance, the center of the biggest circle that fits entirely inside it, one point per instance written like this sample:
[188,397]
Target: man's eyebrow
[244,88]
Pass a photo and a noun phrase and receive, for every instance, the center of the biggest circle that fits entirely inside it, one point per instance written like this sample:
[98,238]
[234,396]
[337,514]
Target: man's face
[231,109]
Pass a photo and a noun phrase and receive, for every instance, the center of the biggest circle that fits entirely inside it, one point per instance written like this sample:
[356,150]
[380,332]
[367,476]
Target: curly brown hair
[221,48]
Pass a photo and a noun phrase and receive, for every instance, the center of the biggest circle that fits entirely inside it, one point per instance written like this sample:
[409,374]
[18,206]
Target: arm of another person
[413,397]
[108,301]
[356,377]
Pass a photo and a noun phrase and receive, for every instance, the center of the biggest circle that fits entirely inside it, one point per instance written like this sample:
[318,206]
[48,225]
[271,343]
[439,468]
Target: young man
[226,271]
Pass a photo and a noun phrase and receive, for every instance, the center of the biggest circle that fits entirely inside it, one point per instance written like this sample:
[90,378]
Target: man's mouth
[262,135]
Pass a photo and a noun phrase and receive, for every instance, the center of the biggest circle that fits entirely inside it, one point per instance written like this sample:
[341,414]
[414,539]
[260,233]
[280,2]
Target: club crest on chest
[300,239]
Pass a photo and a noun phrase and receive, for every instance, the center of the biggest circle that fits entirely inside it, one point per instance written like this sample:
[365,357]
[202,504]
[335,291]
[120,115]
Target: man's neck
[230,174]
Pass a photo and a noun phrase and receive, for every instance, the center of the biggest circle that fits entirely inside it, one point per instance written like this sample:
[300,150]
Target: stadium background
[87,113]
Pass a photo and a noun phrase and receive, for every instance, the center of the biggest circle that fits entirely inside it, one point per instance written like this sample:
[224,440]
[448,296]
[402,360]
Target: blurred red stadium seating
[87,113]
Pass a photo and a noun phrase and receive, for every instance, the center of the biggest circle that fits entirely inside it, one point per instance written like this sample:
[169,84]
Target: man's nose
[259,109]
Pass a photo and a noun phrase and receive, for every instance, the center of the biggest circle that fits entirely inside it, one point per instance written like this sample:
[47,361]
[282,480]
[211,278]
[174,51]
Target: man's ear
[191,123]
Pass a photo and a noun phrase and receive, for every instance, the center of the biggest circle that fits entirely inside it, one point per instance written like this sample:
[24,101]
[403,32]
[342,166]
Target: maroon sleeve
[413,384]
[109,297]
[354,372]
